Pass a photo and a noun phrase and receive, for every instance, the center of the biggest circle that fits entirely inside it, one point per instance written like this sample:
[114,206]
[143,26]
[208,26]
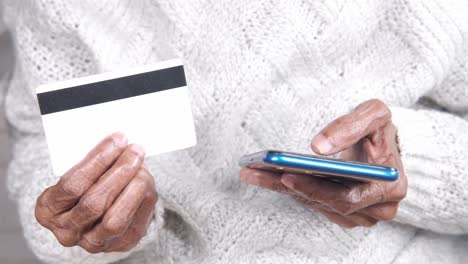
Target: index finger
[345,131]
[266,179]
[74,183]
[341,198]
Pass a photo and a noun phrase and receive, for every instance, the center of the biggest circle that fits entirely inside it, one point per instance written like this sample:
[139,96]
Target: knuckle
[152,196]
[146,175]
[348,123]
[141,183]
[100,161]
[114,142]
[134,153]
[67,238]
[347,119]
[41,203]
[132,156]
[41,217]
[381,107]
[380,193]
[92,205]
[349,203]
[386,215]
[115,225]
[93,246]
[43,197]
[401,194]
[44,210]
[125,169]
[73,188]
[93,249]
[345,207]
[398,192]
[387,157]
[341,122]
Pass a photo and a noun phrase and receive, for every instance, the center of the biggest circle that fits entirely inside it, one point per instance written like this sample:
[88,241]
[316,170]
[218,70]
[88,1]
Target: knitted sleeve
[435,155]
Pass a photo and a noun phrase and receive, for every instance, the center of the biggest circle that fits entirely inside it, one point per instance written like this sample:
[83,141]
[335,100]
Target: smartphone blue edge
[334,166]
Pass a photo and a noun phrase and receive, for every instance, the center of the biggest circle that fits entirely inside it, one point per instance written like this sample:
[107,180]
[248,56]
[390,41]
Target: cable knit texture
[262,74]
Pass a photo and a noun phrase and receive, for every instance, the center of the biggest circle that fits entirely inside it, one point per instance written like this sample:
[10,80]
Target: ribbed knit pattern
[262,74]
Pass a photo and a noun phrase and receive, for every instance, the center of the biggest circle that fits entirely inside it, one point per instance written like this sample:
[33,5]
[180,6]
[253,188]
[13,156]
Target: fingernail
[138,149]
[120,139]
[322,144]
[289,180]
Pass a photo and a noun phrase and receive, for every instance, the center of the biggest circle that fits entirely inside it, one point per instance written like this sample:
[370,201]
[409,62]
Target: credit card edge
[108,75]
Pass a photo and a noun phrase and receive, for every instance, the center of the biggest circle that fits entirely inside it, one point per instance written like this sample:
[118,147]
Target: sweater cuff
[432,152]
[155,226]
[414,133]
[415,137]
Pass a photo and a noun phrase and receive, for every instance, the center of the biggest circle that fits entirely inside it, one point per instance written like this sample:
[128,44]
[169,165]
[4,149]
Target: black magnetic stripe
[111,90]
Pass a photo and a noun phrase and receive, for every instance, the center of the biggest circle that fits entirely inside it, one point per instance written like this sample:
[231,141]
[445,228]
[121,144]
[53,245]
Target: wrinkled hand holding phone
[367,135]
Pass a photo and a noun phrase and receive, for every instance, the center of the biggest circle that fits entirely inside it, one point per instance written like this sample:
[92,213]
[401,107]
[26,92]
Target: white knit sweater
[262,74]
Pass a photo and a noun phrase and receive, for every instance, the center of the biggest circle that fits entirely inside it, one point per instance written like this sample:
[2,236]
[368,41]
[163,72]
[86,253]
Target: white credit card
[150,105]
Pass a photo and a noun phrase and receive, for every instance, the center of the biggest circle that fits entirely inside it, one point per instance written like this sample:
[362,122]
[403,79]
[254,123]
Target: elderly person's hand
[368,135]
[104,203]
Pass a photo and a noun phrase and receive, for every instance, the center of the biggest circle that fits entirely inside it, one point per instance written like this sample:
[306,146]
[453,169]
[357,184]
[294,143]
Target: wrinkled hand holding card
[150,105]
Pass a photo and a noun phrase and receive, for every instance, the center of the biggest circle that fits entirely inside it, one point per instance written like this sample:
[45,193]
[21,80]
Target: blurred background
[13,248]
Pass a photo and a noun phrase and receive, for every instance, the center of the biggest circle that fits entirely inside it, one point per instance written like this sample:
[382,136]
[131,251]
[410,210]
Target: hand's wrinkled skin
[104,203]
[367,134]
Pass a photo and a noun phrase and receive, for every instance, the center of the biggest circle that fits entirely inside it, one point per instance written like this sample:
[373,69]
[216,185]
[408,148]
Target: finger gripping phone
[334,169]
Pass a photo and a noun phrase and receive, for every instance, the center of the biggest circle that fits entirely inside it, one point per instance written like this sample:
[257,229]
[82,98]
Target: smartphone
[333,169]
